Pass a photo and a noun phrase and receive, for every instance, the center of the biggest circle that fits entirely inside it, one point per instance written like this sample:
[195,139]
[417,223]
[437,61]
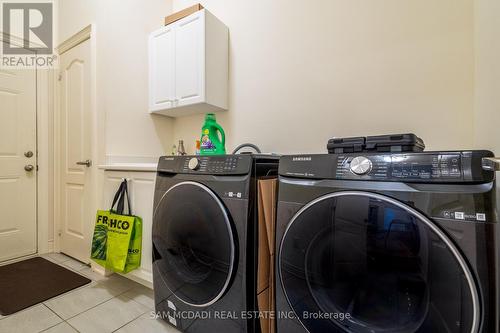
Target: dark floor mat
[32,281]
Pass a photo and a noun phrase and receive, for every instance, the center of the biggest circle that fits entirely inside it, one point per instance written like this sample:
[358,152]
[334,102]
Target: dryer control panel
[402,167]
[206,165]
[428,167]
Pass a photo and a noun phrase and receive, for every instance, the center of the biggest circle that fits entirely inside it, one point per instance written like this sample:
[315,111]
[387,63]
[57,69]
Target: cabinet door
[190,59]
[161,69]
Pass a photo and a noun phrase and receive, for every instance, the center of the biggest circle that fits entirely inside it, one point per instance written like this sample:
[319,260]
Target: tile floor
[107,304]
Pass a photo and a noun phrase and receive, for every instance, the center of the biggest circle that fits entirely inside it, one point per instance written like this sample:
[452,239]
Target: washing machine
[387,242]
[204,241]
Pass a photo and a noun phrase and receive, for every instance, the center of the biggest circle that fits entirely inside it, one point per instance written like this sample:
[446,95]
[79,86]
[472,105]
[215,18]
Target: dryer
[387,242]
[204,243]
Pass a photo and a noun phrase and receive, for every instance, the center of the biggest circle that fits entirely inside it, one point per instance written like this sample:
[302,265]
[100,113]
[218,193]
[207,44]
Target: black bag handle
[119,199]
[125,194]
[117,195]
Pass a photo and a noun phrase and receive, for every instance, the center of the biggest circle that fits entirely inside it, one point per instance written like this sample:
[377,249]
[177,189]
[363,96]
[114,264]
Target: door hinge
[59,78]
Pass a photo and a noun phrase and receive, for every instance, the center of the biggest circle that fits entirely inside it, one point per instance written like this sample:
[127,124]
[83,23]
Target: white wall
[300,71]
[487,74]
[304,71]
[122,28]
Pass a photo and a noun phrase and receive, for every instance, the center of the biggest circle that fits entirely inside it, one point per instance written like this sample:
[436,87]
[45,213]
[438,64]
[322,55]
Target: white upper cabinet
[190,56]
[188,66]
[161,58]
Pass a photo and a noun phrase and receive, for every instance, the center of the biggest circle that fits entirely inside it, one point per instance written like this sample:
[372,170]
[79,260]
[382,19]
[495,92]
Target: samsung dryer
[204,241]
[387,242]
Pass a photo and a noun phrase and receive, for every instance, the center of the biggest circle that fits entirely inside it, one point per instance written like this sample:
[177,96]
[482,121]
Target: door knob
[29,167]
[28,154]
[87,163]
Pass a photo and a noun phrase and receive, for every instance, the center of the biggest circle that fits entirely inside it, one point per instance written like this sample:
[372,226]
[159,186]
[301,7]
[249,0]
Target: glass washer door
[363,262]
[194,241]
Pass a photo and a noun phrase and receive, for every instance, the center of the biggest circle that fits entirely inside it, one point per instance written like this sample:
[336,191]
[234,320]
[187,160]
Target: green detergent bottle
[211,143]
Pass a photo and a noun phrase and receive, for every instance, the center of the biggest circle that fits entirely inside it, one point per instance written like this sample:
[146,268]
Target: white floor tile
[59,257]
[143,295]
[80,300]
[61,328]
[88,272]
[118,283]
[32,320]
[147,324]
[108,316]
[74,264]
[48,257]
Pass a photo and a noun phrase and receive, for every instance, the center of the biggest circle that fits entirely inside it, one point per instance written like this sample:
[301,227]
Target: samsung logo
[301,158]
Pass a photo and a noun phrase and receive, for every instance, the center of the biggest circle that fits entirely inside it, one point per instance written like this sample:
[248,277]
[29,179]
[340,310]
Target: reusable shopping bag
[117,239]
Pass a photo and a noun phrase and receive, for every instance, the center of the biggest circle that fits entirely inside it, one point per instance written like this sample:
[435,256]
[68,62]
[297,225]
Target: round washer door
[194,243]
[363,262]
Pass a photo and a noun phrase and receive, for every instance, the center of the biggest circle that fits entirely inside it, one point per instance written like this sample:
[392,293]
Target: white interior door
[76,214]
[190,59]
[17,152]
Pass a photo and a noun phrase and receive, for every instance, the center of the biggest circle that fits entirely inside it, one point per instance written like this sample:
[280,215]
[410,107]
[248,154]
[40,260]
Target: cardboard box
[267,200]
[183,13]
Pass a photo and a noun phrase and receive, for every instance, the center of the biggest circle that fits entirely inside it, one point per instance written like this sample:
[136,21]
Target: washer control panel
[213,165]
[400,166]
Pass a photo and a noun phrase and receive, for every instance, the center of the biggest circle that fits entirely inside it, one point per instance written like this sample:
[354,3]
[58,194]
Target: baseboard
[11,261]
[50,246]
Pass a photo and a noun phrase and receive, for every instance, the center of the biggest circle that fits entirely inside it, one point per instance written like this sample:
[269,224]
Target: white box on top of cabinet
[188,66]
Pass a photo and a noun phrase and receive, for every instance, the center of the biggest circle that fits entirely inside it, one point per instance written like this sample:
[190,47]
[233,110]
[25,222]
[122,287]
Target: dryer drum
[363,262]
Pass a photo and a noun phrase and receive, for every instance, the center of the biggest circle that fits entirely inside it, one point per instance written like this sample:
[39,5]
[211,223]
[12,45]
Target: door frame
[97,127]
[45,114]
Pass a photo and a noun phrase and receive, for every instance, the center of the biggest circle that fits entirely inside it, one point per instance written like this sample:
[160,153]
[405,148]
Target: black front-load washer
[387,242]
[204,244]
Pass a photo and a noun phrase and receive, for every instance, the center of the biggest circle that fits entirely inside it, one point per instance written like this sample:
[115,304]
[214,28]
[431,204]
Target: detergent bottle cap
[210,117]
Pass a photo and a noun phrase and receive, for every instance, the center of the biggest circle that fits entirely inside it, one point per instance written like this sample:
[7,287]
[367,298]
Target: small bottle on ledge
[180,148]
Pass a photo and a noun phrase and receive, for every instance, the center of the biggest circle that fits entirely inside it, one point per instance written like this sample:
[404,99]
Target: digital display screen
[404,166]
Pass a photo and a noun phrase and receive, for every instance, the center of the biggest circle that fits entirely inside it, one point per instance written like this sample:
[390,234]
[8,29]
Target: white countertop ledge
[149,167]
